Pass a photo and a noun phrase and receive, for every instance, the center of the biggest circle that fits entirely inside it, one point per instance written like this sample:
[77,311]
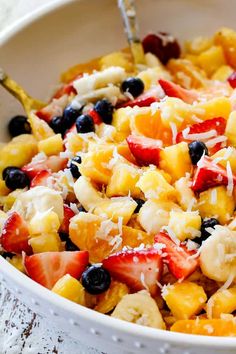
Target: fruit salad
[120,193]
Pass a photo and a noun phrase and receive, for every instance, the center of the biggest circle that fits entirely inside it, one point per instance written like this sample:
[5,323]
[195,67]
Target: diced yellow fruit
[230,130]
[215,327]
[70,288]
[107,301]
[185,299]
[191,57]
[198,45]
[18,152]
[3,188]
[185,225]
[222,302]
[17,262]
[86,193]
[3,218]
[154,185]
[226,38]
[175,160]
[185,195]
[151,76]
[123,181]
[75,143]
[216,107]
[121,59]
[46,222]
[186,74]
[152,61]
[222,73]
[115,208]
[211,59]
[121,121]
[40,129]
[227,154]
[155,214]
[106,132]
[52,145]
[175,111]
[46,243]
[8,201]
[95,165]
[222,208]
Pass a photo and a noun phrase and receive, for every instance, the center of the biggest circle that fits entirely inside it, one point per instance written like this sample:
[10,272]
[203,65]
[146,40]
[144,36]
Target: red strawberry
[96,117]
[232,80]
[66,89]
[48,267]
[174,90]
[138,269]
[41,179]
[52,163]
[68,214]
[209,174]
[53,109]
[15,235]
[178,259]
[71,130]
[141,101]
[145,150]
[217,124]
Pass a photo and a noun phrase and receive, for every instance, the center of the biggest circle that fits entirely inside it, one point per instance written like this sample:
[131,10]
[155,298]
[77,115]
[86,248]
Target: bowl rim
[55,300]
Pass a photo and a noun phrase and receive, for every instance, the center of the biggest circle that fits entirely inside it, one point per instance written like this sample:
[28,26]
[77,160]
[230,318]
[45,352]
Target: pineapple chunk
[18,152]
[45,222]
[86,193]
[40,129]
[226,38]
[154,185]
[50,242]
[198,45]
[70,288]
[222,73]
[94,165]
[185,225]
[175,160]
[223,301]
[155,214]
[115,208]
[8,201]
[123,181]
[185,195]
[230,130]
[121,121]
[124,60]
[151,76]
[17,262]
[185,299]
[222,209]
[211,59]
[224,155]
[52,145]
[3,188]
[74,143]
[216,107]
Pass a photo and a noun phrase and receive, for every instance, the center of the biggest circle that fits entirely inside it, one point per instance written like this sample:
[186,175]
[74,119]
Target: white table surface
[22,331]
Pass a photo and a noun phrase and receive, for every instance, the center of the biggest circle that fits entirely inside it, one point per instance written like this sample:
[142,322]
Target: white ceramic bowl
[35,51]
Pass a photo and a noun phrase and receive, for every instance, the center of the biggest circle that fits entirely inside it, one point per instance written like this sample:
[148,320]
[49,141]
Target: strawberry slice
[41,179]
[232,80]
[66,89]
[138,269]
[209,174]
[52,164]
[53,109]
[48,267]
[178,257]
[68,214]
[174,90]
[96,117]
[15,235]
[145,150]
[140,102]
[216,124]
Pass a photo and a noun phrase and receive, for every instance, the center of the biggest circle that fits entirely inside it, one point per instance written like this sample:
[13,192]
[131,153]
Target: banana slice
[87,195]
[218,254]
[112,93]
[139,308]
[88,83]
[38,200]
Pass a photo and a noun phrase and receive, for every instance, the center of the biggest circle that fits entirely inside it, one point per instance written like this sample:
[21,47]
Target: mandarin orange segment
[107,301]
[214,327]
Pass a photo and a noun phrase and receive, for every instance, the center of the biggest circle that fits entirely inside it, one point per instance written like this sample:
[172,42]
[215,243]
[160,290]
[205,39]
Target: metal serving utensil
[129,16]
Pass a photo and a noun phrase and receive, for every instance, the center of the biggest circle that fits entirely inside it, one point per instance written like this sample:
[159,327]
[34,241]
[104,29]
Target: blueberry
[133,85]
[58,125]
[140,203]
[196,150]
[6,171]
[85,124]
[19,125]
[70,246]
[15,178]
[105,109]
[81,209]
[74,168]
[7,255]
[63,236]
[212,222]
[96,280]
[70,115]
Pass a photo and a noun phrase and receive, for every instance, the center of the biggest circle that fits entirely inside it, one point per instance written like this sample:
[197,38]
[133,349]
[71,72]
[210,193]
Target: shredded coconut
[174,132]
[74,208]
[219,139]
[213,196]
[142,279]
[230,185]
